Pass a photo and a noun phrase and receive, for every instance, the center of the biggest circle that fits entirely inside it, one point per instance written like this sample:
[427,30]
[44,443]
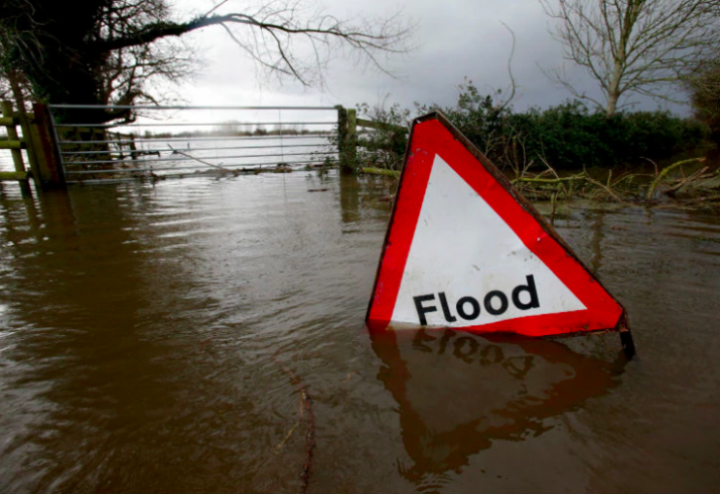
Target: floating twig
[553,204]
[684,181]
[666,170]
[379,171]
[306,401]
[548,180]
[604,187]
[292,429]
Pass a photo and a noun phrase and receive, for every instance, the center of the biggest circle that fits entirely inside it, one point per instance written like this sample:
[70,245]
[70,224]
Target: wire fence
[162,141]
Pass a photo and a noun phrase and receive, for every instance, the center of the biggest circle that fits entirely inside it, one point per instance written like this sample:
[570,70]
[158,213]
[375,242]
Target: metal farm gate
[155,142]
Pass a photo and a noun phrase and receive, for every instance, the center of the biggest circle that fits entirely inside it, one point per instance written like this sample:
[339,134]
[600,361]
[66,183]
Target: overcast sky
[453,39]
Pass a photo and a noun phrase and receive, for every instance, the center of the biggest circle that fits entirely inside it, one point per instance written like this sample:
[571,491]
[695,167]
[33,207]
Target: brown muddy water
[138,326]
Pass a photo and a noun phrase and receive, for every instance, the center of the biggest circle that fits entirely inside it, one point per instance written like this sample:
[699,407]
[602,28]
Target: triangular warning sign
[465,250]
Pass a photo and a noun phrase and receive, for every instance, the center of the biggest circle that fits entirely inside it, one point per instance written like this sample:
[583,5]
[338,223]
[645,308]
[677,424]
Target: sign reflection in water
[458,392]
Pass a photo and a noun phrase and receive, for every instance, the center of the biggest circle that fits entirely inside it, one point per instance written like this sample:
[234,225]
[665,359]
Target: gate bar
[154,150]
[193,139]
[156,160]
[237,166]
[183,124]
[180,107]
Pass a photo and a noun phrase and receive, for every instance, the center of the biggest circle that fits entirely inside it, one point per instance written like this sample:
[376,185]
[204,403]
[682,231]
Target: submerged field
[147,331]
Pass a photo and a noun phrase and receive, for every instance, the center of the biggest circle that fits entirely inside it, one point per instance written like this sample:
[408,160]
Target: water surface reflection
[458,392]
[138,325]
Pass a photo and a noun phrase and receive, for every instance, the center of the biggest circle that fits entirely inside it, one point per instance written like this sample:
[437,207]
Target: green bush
[569,135]
[566,136]
[383,148]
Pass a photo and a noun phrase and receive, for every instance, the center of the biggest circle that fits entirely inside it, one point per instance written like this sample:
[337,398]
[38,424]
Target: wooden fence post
[47,149]
[31,146]
[352,140]
[342,131]
[10,123]
[347,139]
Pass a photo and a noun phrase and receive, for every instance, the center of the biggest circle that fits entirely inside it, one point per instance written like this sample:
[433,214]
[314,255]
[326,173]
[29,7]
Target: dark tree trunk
[58,59]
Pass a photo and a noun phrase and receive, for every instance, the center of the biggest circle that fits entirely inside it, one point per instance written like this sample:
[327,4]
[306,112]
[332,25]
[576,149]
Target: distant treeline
[231,131]
[566,136]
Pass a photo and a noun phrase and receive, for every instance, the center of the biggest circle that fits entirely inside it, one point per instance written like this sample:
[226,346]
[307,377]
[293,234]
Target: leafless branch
[633,46]
[120,51]
[513,85]
[278,32]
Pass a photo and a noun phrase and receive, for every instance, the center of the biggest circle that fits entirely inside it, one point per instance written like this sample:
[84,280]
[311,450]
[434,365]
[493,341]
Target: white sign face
[466,267]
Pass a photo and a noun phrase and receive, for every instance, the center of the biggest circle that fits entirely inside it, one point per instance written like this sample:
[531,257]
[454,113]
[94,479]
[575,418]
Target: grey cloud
[455,39]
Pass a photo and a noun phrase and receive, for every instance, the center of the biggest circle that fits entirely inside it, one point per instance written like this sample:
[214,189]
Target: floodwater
[150,337]
[183,156]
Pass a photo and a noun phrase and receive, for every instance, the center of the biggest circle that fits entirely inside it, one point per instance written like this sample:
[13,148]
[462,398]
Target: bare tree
[703,84]
[633,46]
[128,74]
[110,51]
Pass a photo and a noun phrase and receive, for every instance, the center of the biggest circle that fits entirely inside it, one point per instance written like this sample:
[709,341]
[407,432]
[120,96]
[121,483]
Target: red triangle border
[432,135]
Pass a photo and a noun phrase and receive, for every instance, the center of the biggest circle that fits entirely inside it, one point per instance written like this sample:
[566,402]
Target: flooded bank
[142,326]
